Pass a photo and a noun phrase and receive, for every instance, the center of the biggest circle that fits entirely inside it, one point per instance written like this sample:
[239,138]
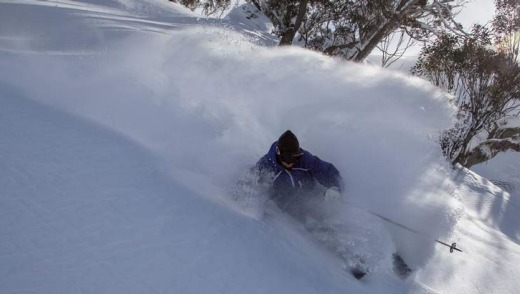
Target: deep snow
[125,125]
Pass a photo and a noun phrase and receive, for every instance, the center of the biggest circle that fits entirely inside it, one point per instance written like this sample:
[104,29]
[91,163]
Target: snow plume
[209,103]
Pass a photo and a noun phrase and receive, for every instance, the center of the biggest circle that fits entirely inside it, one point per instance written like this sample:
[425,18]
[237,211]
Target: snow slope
[125,125]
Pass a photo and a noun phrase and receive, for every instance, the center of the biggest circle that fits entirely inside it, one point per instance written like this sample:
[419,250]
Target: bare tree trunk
[257,5]
[290,33]
[499,141]
[370,40]
[478,155]
[374,40]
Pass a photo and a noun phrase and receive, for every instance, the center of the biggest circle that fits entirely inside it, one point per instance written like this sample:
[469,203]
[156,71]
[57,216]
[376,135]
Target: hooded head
[288,144]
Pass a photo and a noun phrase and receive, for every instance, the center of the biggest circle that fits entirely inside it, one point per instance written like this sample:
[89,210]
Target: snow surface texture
[126,124]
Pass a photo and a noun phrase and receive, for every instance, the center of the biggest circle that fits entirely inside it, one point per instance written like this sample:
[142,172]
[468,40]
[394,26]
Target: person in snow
[302,185]
[295,175]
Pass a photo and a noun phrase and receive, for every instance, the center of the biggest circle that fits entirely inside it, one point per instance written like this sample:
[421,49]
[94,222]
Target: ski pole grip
[454,247]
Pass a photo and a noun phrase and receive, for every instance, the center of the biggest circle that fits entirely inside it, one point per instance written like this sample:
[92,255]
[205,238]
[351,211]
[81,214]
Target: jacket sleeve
[326,173]
[254,182]
[263,169]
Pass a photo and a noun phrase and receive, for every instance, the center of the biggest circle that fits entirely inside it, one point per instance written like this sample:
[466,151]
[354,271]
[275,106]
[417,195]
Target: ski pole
[453,246]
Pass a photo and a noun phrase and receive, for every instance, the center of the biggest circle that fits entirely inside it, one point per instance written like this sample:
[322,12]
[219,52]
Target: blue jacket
[302,177]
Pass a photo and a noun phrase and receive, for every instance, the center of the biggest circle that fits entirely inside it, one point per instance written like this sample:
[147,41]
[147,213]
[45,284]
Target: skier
[303,186]
[294,174]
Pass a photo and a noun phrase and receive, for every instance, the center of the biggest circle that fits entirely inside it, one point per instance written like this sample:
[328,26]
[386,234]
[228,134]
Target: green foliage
[486,86]
[353,28]
[506,27]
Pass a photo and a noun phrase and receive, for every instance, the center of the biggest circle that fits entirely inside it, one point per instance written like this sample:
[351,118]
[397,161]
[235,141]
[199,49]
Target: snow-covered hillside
[124,126]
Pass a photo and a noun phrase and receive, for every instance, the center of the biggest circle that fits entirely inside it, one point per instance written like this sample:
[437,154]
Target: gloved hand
[332,194]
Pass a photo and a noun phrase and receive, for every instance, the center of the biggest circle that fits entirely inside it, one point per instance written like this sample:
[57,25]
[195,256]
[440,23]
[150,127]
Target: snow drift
[179,113]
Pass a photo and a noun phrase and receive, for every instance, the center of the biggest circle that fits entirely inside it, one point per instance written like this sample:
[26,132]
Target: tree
[506,26]
[486,86]
[353,28]
[286,15]
[209,6]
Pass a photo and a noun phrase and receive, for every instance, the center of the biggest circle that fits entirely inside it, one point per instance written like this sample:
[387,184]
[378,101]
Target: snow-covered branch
[488,149]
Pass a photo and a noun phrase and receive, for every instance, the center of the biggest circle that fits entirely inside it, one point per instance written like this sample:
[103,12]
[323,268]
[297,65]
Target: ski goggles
[288,158]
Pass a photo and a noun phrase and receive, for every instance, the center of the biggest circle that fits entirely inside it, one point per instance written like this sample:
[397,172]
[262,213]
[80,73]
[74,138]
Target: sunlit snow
[124,126]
